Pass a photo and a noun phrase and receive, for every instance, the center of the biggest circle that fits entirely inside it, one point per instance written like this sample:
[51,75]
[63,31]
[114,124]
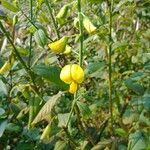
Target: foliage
[110,41]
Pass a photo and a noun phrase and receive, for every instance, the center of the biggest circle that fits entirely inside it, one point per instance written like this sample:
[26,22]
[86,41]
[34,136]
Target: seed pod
[40,37]
[67,49]
[46,132]
[63,12]
[59,45]
[7,66]
[76,23]
[15,20]
[88,25]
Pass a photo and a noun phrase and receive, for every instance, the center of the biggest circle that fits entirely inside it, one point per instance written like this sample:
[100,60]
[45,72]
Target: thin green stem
[81,32]
[110,63]
[52,17]
[30,48]
[72,108]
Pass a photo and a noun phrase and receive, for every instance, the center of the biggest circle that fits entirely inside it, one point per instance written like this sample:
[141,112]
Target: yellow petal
[59,45]
[73,87]
[65,74]
[77,73]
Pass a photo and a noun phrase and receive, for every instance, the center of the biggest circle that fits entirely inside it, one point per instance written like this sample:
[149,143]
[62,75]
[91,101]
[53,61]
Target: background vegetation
[111,109]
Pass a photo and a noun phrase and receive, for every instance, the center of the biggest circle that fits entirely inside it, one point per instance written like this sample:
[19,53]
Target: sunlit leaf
[47,108]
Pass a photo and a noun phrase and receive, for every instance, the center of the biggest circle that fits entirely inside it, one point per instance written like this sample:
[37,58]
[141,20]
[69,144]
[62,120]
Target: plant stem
[30,48]
[52,17]
[110,63]
[72,108]
[81,32]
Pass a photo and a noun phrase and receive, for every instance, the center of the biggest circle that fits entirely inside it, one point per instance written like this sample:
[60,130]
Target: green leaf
[2,111]
[9,6]
[146,102]
[60,145]
[121,132]
[120,45]
[3,89]
[102,145]
[85,110]
[93,68]
[47,108]
[40,37]
[135,87]
[137,141]
[3,124]
[23,51]
[51,73]
[11,127]
[63,118]
[24,146]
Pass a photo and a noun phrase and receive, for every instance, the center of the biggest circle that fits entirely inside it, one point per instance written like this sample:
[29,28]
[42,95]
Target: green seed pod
[63,12]
[15,20]
[40,37]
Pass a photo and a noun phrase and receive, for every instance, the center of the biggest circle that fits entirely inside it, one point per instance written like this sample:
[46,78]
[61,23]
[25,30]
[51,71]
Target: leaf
[85,110]
[51,73]
[32,134]
[11,127]
[146,102]
[121,132]
[2,111]
[63,118]
[47,108]
[40,37]
[120,45]
[23,51]
[3,88]
[24,146]
[136,141]
[94,67]
[135,87]
[3,124]
[60,145]
[9,6]
[102,145]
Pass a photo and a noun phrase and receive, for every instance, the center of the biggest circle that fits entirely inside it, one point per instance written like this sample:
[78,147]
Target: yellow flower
[73,75]
[59,46]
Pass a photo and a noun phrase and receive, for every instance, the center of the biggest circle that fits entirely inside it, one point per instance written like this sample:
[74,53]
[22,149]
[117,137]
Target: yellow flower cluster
[72,74]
